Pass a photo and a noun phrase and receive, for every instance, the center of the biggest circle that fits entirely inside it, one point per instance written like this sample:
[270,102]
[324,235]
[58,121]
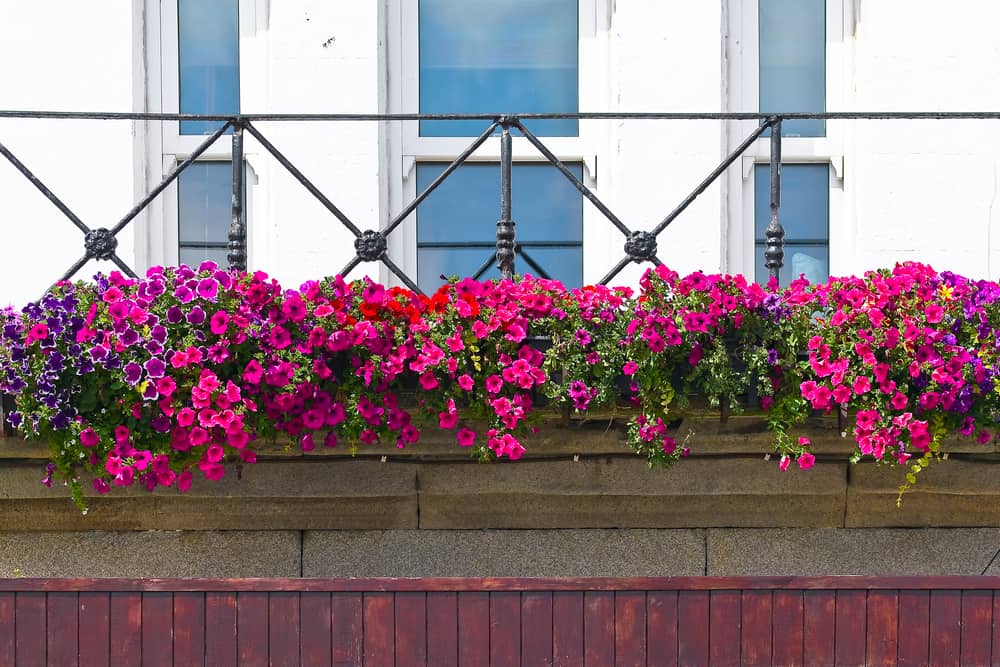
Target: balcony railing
[371,245]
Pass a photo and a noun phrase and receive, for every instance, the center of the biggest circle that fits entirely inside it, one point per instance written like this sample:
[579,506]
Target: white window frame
[166,147]
[742,50]
[404,148]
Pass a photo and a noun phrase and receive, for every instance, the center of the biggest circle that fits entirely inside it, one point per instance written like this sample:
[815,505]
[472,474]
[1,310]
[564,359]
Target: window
[197,48]
[785,55]
[523,56]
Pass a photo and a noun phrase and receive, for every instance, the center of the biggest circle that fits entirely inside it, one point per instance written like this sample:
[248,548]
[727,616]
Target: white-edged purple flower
[196,316]
[133,372]
[155,367]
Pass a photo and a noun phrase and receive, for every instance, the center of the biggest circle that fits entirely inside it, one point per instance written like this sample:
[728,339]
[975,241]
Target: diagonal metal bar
[732,157]
[171,177]
[123,266]
[73,269]
[43,189]
[399,274]
[615,271]
[350,266]
[484,267]
[456,163]
[301,178]
[584,190]
[540,272]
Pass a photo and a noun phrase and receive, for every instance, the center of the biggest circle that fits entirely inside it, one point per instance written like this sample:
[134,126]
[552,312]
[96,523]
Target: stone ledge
[878,552]
[617,493]
[503,553]
[271,553]
[948,493]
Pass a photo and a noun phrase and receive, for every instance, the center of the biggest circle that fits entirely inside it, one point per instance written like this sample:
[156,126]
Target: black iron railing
[371,244]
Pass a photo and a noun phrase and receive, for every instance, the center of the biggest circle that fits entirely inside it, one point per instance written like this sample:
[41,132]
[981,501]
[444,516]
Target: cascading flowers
[159,380]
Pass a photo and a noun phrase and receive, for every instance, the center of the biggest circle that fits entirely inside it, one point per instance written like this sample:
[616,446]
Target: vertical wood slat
[692,627]
[411,629]
[819,627]
[598,628]
[473,628]
[94,623]
[567,628]
[251,628]
[379,629]
[157,629]
[221,629]
[189,628]
[29,628]
[442,635]
[851,623]
[946,631]
[977,627]
[126,628]
[283,628]
[787,633]
[755,644]
[996,627]
[505,629]
[62,628]
[661,628]
[913,643]
[630,628]
[536,628]
[724,627]
[883,623]
[7,640]
[347,625]
[316,622]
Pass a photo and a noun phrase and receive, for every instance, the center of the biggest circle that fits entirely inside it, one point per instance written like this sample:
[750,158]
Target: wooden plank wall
[703,621]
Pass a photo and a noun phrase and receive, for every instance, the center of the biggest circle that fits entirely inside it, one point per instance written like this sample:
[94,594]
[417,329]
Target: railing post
[774,253]
[237,228]
[505,226]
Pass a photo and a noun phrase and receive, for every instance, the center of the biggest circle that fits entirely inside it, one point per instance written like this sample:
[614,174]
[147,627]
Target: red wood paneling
[501,622]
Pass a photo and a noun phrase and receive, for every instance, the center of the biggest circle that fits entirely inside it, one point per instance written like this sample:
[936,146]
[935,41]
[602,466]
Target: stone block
[948,493]
[625,493]
[292,494]
[873,551]
[273,553]
[503,553]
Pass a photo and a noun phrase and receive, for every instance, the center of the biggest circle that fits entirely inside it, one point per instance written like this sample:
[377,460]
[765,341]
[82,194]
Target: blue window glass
[792,74]
[516,56]
[204,212]
[456,224]
[805,215]
[208,54]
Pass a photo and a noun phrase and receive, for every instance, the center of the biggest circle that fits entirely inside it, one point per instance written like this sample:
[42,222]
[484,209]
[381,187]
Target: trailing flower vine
[154,381]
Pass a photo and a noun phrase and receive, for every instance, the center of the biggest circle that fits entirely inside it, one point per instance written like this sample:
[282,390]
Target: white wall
[911,190]
[63,55]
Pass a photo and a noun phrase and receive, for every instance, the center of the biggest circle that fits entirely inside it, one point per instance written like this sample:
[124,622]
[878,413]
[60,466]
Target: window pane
[805,215]
[805,201]
[793,61]
[517,56]
[810,260]
[193,257]
[205,206]
[464,210]
[208,50]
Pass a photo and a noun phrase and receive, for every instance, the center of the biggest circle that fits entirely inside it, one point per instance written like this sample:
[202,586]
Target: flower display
[157,380]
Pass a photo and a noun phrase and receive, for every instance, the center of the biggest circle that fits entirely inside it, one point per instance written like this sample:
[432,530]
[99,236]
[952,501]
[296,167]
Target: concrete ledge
[271,495]
[151,554]
[503,553]
[625,493]
[789,552]
[948,493]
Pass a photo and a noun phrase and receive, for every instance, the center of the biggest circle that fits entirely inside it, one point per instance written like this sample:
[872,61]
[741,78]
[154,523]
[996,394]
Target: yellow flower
[947,292]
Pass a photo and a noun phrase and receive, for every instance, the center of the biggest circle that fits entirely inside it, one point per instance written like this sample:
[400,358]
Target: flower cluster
[157,380]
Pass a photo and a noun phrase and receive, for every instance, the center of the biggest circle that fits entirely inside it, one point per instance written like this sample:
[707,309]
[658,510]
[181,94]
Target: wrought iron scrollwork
[370,246]
[640,246]
[100,243]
